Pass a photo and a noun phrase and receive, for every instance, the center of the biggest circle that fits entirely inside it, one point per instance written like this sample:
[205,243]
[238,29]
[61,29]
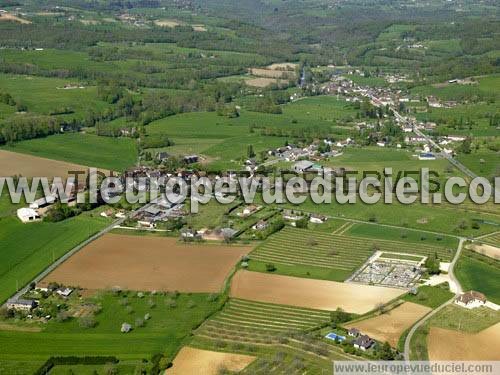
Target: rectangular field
[147,264]
[16,164]
[328,250]
[308,293]
[444,344]
[192,360]
[391,325]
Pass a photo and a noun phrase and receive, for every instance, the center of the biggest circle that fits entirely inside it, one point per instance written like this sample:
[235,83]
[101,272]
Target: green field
[482,275]
[90,150]
[404,234]
[492,239]
[172,319]
[305,248]
[43,95]
[430,296]
[26,249]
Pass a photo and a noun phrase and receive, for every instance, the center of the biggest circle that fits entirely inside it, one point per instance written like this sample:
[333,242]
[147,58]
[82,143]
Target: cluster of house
[294,216]
[434,102]
[360,341]
[37,209]
[28,304]
[218,234]
[160,210]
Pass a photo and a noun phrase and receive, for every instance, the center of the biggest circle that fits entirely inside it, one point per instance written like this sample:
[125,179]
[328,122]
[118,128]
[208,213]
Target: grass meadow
[476,272]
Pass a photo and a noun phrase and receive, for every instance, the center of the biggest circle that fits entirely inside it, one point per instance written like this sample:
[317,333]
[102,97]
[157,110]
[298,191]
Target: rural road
[74,250]
[435,311]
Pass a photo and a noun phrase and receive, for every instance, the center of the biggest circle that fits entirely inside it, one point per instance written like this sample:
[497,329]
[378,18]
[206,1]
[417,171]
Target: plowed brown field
[147,264]
[314,294]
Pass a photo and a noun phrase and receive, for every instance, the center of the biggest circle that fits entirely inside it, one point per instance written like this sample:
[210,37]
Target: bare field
[11,17]
[261,82]
[197,361]
[445,344]
[283,66]
[391,325]
[13,163]
[313,294]
[268,73]
[167,23]
[147,264]
[488,250]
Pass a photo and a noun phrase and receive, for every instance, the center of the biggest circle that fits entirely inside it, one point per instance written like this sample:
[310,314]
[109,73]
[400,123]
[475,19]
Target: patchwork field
[391,325]
[192,360]
[315,294]
[446,344]
[16,164]
[148,263]
[276,333]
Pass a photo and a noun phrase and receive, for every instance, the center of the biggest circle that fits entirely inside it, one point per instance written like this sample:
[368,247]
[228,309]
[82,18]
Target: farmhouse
[261,225]
[353,332]
[27,215]
[303,166]
[21,304]
[363,342]
[43,202]
[471,299]
[317,218]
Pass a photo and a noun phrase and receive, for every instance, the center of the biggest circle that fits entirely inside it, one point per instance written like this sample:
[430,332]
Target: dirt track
[148,263]
[197,361]
[391,325]
[314,294]
[444,344]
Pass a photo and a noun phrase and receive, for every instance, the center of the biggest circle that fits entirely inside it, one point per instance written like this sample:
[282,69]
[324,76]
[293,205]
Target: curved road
[435,311]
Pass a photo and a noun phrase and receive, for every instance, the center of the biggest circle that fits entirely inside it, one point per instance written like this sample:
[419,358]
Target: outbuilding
[27,215]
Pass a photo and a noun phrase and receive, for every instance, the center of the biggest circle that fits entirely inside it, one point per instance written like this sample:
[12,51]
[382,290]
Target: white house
[27,215]
[471,299]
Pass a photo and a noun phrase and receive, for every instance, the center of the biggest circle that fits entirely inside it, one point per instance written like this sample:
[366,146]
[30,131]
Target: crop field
[100,152]
[16,164]
[316,294]
[479,273]
[391,325]
[148,263]
[269,331]
[191,360]
[312,248]
[26,249]
[466,346]
[261,318]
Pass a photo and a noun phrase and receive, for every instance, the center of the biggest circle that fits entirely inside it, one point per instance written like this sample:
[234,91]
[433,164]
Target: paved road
[73,251]
[435,311]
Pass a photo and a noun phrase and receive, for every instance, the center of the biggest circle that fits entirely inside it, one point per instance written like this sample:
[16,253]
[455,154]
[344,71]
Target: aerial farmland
[263,187]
